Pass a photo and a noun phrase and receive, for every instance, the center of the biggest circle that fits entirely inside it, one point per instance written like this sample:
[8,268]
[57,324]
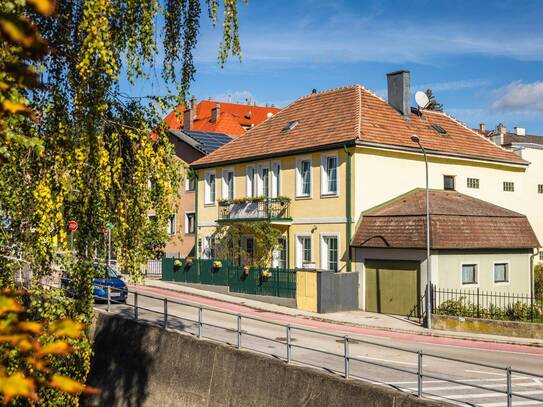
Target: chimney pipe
[399,92]
[193,103]
[482,128]
[215,112]
[187,119]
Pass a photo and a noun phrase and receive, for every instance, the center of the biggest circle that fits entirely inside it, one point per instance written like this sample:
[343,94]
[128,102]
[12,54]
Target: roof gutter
[349,143]
[439,153]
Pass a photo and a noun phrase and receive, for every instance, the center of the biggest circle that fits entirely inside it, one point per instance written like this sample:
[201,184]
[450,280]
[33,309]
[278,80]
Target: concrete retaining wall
[487,326]
[136,364]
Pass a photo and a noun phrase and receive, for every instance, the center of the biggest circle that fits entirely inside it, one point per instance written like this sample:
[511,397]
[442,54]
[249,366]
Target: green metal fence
[276,282]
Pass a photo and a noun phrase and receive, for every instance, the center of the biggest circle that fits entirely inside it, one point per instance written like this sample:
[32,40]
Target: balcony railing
[272,209]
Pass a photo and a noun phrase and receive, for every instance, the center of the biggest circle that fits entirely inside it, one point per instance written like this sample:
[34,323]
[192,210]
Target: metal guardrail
[345,355]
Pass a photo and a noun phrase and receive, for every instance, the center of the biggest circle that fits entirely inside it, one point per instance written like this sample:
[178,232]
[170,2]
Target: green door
[392,286]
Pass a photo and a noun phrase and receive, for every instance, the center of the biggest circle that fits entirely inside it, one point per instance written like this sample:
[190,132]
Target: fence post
[239,331]
[288,344]
[509,387]
[165,312]
[136,305]
[478,304]
[419,374]
[346,355]
[200,321]
[108,298]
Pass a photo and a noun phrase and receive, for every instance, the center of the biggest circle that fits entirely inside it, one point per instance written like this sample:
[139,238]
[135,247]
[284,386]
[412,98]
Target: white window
[251,182]
[304,251]
[329,253]
[172,224]
[190,183]
[209,248]
[209,190]
[228,184]
[264,189]
[501,272]
[509,186]
[276,180]
[303,182]
[469,274]
[473,183]
[190,221]
[280,254]
[329,177]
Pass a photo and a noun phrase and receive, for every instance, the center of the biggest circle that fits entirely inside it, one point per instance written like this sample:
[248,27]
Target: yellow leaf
[17,385]
[4,86]
[44,7]
[66,384]
[32,327]
[39,364]
[66,328]
[14,107]
[9,305]
[56,348]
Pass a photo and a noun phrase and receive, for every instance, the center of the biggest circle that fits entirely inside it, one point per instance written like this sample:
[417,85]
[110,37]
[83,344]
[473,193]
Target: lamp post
[416,139]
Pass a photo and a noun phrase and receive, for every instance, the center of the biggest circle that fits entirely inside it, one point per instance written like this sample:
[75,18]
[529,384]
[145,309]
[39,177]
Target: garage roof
[457,221]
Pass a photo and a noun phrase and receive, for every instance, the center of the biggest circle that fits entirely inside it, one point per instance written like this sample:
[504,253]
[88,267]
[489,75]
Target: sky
[483,59]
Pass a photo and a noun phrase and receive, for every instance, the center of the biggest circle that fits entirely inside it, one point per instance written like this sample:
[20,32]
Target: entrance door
[392,287]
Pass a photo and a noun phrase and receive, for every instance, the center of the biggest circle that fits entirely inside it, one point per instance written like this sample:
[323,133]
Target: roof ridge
[461,123]
[323,92]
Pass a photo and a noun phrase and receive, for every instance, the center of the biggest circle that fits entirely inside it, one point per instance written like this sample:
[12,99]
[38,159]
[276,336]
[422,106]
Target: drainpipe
[532,257]
[348,208]
[197,252]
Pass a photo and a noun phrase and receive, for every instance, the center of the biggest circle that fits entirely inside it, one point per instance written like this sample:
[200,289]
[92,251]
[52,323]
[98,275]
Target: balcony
[255,209]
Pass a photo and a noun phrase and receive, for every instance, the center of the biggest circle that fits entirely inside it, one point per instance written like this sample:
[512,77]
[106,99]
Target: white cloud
[453,85]
[236,96]
[519,96]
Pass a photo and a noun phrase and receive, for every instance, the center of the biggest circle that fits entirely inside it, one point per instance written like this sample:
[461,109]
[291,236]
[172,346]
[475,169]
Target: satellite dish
[422,99]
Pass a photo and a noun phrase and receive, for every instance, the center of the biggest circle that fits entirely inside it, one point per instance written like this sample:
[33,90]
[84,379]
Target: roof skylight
[290,125]
[439,129]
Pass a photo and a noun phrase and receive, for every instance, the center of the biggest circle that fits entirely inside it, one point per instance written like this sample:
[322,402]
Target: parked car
[105,277]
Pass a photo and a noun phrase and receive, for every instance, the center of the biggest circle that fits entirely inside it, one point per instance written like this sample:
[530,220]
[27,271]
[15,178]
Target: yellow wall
[315,215]
[306,291]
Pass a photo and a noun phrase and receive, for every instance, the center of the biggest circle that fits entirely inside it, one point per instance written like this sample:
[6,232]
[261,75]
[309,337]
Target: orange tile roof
[232,119]
[353,114]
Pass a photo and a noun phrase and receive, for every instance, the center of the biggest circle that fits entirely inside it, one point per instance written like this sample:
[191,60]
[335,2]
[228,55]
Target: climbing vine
[228,242]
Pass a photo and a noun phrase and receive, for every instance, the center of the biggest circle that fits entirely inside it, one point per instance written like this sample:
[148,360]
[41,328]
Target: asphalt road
[393,365]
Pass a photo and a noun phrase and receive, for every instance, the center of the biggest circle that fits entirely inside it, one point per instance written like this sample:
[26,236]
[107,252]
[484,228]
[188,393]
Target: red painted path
[349,329]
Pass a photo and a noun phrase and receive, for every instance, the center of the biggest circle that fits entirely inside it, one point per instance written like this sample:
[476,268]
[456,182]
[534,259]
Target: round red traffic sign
[72,225]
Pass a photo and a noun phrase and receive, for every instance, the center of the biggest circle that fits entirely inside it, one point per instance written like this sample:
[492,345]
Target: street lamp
[416,139]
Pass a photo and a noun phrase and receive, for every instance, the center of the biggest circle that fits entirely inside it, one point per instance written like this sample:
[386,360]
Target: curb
[436,334]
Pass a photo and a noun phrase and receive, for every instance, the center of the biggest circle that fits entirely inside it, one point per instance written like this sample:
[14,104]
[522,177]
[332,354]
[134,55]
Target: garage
[391,286]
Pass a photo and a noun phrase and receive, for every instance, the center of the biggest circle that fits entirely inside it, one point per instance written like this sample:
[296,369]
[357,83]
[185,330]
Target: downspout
[348,208]
[532,257]
[196,248]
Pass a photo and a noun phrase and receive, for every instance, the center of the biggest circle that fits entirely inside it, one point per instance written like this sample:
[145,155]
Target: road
[394,364]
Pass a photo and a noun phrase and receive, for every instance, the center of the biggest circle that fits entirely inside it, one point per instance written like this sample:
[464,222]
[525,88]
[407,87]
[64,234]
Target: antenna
[422,99]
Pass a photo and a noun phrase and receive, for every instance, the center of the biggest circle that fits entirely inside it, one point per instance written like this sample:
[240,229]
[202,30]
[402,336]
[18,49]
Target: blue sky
[483,59]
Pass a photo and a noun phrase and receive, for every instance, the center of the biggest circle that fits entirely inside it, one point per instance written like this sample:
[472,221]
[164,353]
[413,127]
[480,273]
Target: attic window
[439,129]
[290,125]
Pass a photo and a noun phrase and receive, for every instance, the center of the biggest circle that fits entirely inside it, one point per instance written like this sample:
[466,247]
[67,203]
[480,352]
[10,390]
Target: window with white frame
[190,183]
[172,224]
[329,175]
[329,253]
[265,180]
[508,186]
[303,183]
[251,181]
[501,272]
[228,184]
[304,251]
[473,183]
[190,222]
[209,248]
[276,180]
[280,254]
[209,190]
[469,274]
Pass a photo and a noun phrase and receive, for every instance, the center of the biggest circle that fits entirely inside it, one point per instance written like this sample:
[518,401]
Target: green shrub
[538,281]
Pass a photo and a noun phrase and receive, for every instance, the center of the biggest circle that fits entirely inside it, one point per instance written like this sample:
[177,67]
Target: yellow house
[334,154]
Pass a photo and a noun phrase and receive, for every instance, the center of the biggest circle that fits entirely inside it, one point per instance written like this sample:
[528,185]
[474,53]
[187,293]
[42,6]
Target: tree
[433,104]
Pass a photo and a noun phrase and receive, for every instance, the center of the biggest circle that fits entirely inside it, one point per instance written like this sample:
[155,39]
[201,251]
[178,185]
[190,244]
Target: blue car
[105,277]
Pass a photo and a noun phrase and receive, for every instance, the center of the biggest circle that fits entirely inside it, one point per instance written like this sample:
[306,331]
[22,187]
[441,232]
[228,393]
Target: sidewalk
[362,319]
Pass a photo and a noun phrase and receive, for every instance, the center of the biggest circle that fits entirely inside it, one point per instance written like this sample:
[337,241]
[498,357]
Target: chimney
[193,103]
[399,92]
[520,131]
[501,129]
[187,119]
[215,112]
[482,128]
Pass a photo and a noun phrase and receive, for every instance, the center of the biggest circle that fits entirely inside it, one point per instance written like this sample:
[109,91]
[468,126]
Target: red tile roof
[457,222]
[233,118]
[354,114]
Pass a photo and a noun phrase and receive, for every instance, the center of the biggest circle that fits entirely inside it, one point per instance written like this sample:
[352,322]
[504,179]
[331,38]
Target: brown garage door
[392,287]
